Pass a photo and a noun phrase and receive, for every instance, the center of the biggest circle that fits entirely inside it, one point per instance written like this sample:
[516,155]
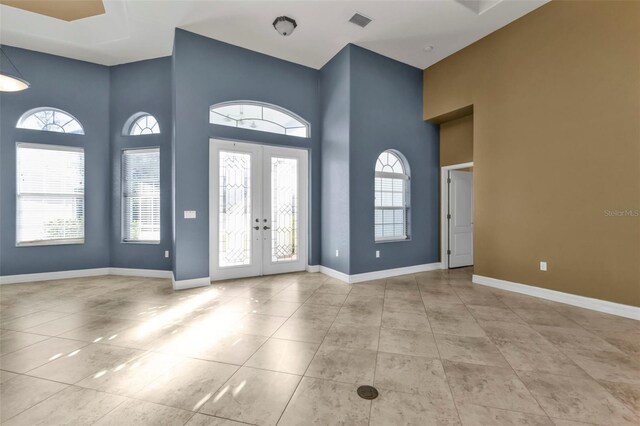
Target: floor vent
[367,392]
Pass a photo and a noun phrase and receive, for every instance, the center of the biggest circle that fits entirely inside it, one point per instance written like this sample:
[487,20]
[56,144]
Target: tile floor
[292,349]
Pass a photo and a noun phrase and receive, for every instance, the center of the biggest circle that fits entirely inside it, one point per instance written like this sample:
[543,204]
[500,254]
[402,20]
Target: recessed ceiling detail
[479,6]
[67,10]
[131,30]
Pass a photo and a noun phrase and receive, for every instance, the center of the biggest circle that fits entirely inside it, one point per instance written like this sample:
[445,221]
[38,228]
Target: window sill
[50,243]
[141,242]
[395,240]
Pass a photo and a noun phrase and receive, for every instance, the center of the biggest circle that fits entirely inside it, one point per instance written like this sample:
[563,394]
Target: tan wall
[456,141]
[556,106]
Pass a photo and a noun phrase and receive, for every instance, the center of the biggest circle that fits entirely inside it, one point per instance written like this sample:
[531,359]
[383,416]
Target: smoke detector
[284,25]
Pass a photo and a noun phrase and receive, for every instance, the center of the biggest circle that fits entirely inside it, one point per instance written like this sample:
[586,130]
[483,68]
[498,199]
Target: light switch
[377,253]
[166,253]
[189,214]
[543,266]
[337,253]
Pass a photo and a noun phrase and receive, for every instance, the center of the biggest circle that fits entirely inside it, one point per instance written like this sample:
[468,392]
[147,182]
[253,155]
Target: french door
[258,209]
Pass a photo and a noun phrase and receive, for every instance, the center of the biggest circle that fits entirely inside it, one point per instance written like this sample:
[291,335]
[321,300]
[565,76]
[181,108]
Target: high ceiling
[132,30]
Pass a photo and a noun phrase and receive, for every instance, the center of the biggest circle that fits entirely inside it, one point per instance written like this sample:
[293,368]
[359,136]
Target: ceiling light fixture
[428,48]
[11,80]
[284,25]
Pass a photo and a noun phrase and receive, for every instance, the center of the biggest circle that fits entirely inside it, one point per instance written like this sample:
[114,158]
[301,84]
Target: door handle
[256,228]
[265,227]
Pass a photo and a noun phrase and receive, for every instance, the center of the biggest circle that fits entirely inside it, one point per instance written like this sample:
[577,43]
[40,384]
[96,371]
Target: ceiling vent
[360,20]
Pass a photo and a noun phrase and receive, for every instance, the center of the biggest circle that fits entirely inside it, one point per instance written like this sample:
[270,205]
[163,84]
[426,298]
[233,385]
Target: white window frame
[62,241]
[406,202]
[123,212]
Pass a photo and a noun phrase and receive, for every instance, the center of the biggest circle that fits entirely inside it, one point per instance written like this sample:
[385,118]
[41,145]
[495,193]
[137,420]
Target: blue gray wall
[386,113]
[206,72]
[82,89]
[335,83]
[136,87]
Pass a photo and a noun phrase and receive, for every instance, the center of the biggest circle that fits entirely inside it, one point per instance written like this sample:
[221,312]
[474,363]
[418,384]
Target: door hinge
[448,251]
[449,180]
[448,216]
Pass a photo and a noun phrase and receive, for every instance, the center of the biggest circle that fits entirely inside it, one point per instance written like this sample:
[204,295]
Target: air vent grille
[360,20]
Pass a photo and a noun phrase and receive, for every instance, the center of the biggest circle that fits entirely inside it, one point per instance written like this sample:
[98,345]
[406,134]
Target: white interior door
[460,219]
[258,205]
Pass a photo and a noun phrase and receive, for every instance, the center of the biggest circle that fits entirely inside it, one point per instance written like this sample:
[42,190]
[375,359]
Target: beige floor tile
[577,399]
[303,330]
[323,298]
[6,375]
[141,413]
[71,406]
[320,313]
[395,408]
[410,304]
[277,308]
[453,319]
[392,318]
[609,366]
[472,350]
[341,364]
[575,339]
[360,316]
[411,374]
[286,356]
[31,320]
[95,359]
[493,313]
[23,392]
[294,296]
[349,336]
[525,349]
[628,394]
[205,420]
[477,415]
[130,375]
[626,341]
[40,353]
[334,287]
[259,325]
[253,396]
[497,387]
[323,402]
[438,294]
[188,385]
[12,341]
[545,317]
[478,296]
[408,342]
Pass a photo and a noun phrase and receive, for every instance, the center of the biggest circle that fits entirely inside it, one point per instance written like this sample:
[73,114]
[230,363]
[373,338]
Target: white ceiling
[132,30]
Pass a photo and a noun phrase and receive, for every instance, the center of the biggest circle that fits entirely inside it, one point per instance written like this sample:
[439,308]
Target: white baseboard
[192,283]
[80,273]
[313,268]
[148,273]
[376,275]
[557,296]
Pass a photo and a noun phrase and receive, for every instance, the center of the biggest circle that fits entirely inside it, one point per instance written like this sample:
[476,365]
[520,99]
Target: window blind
[50,194]
[391,210]
[141,195]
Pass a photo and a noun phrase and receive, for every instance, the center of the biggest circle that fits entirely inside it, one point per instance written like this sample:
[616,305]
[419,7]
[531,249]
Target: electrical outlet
[337,253]
[166,253]
[189,214]
[543,266]
[377,253]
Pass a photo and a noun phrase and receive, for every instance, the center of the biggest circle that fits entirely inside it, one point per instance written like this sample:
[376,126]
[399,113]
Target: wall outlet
[377,253]
[337,253]
[189,214]
[543,266]
[166,253]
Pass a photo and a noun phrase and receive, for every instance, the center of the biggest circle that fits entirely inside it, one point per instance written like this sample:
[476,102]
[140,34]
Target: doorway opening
[258,204]
[456,248]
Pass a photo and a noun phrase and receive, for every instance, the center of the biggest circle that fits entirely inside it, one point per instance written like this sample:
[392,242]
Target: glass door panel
[284,209]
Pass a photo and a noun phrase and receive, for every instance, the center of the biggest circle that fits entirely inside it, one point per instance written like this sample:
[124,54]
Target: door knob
[256,227]
[265,227]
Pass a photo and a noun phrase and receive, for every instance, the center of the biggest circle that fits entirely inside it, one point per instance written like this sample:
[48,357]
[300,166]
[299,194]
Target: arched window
[50,120]
[141,123]
[391,197]
[258,116]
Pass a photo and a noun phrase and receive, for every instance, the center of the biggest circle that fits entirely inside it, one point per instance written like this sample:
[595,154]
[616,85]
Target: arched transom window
[141,124]
[50,120]
[258,116]
[391,189]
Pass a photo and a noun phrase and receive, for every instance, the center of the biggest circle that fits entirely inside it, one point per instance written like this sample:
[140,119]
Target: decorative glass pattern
[391,198]
[50,120]
[258,116]
[146,124]
[284,209]
[50,195]
[234,209]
